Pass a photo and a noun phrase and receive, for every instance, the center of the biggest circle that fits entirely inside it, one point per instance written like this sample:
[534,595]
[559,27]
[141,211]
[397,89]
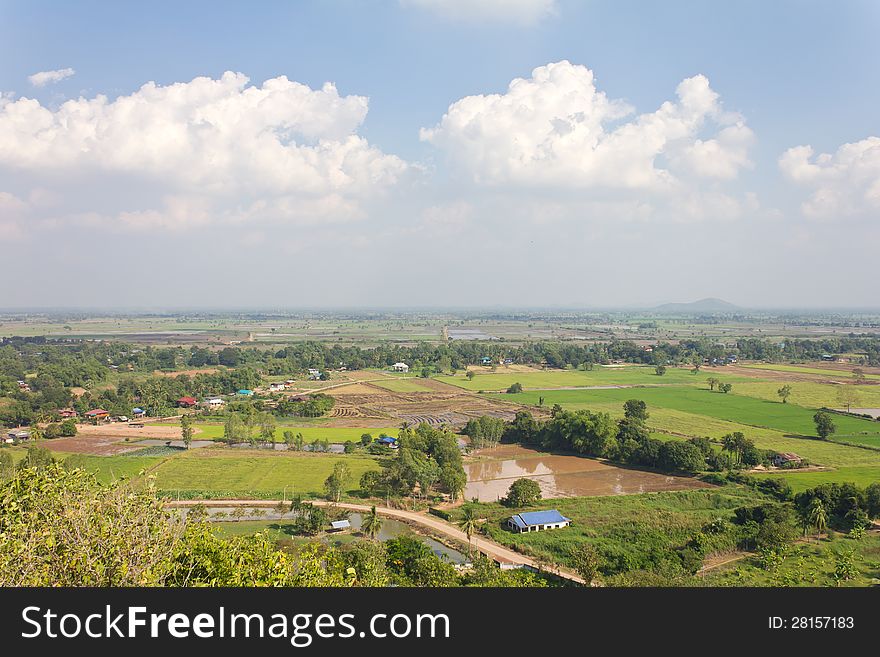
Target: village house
[187,402]
[244,392]
[18,435]
[277,387]
[213,402]
[97,414]
[784,458]
[400,367]
[138,412]
[314,374]
[535,521]
[66,413]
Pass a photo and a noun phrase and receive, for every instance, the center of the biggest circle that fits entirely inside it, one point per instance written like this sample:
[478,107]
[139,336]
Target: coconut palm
[818,516]
[372,523]
[469,524]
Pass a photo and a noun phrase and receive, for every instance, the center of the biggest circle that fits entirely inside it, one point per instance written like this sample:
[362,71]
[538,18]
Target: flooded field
[561,476]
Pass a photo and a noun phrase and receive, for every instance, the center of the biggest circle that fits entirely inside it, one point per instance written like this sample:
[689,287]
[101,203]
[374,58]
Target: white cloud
[846,182]
[523,12]
[556,129]
[208,150]
[43,78]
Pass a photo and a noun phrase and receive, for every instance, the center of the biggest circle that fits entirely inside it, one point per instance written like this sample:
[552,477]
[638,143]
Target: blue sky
[787,74]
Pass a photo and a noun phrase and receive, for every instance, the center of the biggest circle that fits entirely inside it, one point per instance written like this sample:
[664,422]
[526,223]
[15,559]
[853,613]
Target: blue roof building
[245,392]
[339,525]
[535,521]
[386,440]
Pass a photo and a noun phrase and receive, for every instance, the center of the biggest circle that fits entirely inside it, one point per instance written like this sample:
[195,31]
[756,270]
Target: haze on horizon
[425,154]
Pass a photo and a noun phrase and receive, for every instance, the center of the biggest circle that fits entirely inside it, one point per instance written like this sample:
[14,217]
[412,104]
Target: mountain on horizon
[710,305]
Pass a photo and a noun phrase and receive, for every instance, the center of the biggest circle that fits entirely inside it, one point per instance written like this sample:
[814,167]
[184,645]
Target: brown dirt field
[356,389]
[120,431]
[773,375]
[90,444]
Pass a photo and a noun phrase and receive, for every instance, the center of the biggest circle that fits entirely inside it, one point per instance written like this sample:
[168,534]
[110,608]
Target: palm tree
[469,524]
[818,516]
[729,444]
[372,523]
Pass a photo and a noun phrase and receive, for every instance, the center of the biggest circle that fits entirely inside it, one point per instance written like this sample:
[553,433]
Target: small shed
[340,525]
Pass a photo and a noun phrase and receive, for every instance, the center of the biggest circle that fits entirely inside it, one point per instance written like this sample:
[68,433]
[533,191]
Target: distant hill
[701,306]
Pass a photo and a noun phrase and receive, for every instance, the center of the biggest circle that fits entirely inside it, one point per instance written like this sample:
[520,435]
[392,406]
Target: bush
[523,492]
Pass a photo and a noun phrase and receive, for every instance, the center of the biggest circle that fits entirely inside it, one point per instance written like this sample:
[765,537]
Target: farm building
[97,414]
[16,435]
[535,521]
[244,392]
[785,458]
[67,413]
[340,525]
[138,412]
[187,402]
[485,360]
[213,402]
[387,440]
[400,367]
[277,387]
[314,374]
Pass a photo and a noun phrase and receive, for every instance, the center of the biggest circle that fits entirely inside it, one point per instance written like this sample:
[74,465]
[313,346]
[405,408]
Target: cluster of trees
[842,506]
[485,431]
[315,405]
[427,458]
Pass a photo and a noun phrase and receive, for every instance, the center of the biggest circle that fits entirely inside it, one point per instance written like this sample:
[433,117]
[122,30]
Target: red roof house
[187,402]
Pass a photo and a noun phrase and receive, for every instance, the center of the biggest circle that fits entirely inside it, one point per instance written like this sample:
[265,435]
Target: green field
[254,474]
[787,418]
[842,375]
[598,376]
[812,394]
[310,433]
[861,476]
[411,384]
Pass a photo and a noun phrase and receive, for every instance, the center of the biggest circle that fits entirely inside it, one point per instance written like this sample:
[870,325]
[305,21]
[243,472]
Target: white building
[400,367]
[213,402]
[535,521]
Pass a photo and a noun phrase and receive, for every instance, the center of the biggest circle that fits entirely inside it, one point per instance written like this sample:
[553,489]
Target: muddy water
[561,476]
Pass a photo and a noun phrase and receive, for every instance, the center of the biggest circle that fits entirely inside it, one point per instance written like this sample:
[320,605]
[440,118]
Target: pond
[561,475]
[391,528]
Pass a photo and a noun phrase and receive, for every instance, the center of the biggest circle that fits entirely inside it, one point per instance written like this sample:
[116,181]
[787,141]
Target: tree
[712,382]
[660,370]
[336,483]
[825,426]
[523,492]
[515,388]
[469,523]
[847,396]
[678,456]
[858,376]
[784,393]
[186,430]
[232,429]
[68,428]
[725,387]
[366,439]
[818,516]
[586,561]
[372,523]
[7,467]
[267,429]
[697,362]
[635,409]
[470,375]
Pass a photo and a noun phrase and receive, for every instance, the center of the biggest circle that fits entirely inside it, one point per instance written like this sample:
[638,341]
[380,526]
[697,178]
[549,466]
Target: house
[535,521]
[244,392]
[784,458]
[277,387]
[290,382]
[340,525]
[828,357]
[122,418]
[67,413]
[138,412]
[18,435]
[508,361]
[485,360]
[187,402]
[387,440]
[314,374]
[400,367]
[213,402]
[97,414]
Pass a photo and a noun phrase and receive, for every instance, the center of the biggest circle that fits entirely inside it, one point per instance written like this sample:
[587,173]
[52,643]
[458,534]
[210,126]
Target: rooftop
[532,518]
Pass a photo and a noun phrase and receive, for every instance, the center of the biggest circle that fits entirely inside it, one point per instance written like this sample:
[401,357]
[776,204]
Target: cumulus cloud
[846,182]
[523,12]
[203,151]
[556,129]
[43,78]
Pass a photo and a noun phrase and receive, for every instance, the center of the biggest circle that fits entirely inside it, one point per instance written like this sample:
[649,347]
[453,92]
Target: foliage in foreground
[60,527]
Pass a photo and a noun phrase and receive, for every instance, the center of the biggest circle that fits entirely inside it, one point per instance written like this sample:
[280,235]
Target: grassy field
[787,418]
[859,475]
[598,376]
[810,394]
[106,468]
[310,433]
[810,563]
[841,375]
[626,529]
[252,473]
[411,384]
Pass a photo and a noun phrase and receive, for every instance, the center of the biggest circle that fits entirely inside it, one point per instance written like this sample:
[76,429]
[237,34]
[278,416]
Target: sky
[430,153]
